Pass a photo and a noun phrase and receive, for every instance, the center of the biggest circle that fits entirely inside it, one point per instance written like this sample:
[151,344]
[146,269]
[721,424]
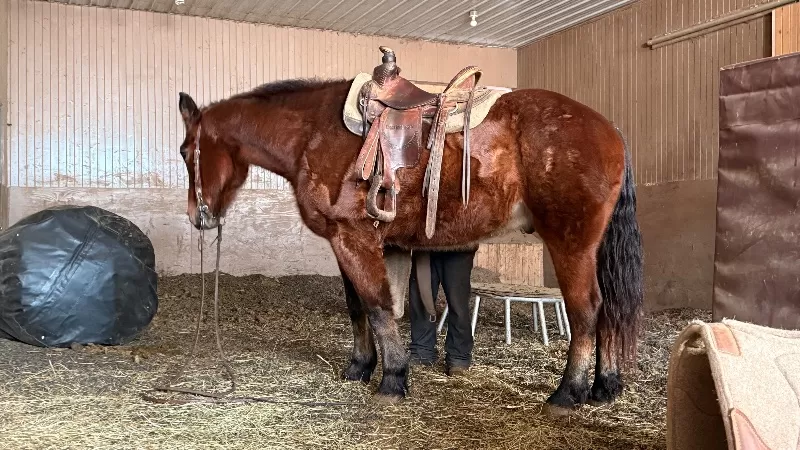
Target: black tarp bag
[76,274]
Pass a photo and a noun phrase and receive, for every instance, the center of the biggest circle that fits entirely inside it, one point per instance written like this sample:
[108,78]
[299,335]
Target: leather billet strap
[365,164]
[423,263]
[465,171]
[436,145]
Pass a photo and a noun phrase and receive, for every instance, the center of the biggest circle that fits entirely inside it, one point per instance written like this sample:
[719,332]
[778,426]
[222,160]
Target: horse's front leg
[365,356]
[361,259]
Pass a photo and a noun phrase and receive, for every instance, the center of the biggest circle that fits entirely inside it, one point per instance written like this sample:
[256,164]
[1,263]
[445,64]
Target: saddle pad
[481,105]
[734,385]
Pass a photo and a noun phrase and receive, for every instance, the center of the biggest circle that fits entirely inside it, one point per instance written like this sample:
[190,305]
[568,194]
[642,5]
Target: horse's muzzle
[202,220]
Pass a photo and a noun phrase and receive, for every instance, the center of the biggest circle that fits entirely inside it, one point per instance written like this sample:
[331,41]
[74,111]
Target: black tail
[620,271]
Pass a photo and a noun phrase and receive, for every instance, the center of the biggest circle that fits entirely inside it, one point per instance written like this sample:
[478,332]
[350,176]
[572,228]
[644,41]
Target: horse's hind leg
[360,257]
[364,357]
[576,277]
[607,380]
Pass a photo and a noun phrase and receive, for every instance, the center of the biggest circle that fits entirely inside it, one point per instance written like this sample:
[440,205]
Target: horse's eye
[183,152]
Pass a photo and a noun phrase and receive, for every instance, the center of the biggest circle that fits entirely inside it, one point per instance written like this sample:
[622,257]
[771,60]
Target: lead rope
[214,397]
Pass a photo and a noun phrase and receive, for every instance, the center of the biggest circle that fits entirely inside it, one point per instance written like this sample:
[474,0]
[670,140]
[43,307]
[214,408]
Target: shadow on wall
[678,222]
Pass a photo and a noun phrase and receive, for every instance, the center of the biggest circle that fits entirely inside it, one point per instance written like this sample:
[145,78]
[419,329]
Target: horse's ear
[189,110]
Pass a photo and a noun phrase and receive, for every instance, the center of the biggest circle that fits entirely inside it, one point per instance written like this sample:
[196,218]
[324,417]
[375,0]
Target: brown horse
[539,161]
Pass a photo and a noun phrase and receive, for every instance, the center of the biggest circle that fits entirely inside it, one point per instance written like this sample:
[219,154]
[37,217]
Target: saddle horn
[388,69]
[388,55]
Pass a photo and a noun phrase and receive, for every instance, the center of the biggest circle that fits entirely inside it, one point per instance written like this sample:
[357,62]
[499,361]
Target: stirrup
[372,201]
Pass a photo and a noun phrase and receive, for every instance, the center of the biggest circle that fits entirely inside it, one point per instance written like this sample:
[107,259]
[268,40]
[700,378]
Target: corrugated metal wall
[665,100]
[786,29]
[4,19]
[93,118]
[94,91]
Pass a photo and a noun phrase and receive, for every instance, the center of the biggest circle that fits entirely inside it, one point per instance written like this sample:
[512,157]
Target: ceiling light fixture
[473,15]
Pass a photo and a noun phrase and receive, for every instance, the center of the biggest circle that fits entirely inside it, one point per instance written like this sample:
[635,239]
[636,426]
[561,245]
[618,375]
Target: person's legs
[423,331]
[454,270]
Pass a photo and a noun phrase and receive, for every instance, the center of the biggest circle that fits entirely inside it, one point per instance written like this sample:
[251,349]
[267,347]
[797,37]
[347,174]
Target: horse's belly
[467,231]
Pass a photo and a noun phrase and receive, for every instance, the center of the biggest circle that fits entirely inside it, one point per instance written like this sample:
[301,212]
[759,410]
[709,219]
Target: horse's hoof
[393,387]
[388,399]
[598,403]
[607,387]
[356,377]
[556,412]
[351,374]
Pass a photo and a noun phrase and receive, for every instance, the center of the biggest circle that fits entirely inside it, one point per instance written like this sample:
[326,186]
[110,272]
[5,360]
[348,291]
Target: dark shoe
[456,371]
[417,361]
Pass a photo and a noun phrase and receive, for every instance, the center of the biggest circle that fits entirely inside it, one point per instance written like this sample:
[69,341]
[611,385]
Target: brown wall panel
[678,225]
[665,100]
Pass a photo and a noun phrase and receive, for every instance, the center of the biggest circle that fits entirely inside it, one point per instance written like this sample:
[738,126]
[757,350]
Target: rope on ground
[217,397]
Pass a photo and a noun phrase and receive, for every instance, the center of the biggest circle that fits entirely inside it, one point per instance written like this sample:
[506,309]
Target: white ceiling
[501,23]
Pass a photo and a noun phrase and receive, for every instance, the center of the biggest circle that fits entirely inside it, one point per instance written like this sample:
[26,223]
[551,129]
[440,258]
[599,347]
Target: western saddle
[393,111]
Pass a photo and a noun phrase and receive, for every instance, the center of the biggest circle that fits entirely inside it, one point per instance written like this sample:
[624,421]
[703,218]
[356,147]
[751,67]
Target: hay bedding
[289,338]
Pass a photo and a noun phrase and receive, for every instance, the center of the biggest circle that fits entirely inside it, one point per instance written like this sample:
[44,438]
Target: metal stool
[519,293]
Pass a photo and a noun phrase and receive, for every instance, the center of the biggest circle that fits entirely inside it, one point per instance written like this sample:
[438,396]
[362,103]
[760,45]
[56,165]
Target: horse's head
[215,172]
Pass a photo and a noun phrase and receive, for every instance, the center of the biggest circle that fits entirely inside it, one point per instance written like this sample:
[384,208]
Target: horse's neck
[267,143]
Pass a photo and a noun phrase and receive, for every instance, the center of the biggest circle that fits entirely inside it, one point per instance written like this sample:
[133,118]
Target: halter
[202,207]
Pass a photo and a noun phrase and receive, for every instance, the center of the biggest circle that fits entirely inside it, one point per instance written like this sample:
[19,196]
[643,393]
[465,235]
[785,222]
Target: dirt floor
[290,338]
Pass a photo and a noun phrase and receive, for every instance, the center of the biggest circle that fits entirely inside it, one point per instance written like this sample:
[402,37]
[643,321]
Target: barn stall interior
[89,97]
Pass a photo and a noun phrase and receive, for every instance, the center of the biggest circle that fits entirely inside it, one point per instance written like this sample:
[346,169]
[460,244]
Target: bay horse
[540,162]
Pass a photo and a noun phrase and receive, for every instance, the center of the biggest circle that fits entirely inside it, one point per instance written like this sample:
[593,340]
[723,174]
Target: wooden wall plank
[669,107]
[515,263]
[786,33]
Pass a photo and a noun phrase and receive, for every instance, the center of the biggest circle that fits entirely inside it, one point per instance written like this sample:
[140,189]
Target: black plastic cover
[76,274]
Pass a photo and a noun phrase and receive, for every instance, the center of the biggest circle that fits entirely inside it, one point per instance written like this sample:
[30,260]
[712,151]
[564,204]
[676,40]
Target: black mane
[267,90]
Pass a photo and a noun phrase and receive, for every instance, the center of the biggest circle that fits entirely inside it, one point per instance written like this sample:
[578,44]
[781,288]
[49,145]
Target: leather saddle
[394,111]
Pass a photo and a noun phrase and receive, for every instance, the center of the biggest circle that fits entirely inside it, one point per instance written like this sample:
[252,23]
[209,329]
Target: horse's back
[569,154]
[555,115]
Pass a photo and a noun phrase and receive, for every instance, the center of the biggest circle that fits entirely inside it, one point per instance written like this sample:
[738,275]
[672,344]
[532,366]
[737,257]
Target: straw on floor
[290,338]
